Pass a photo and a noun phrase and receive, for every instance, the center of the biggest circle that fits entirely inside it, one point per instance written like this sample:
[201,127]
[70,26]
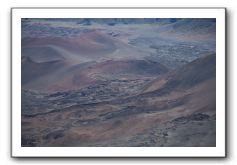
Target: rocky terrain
[118,82]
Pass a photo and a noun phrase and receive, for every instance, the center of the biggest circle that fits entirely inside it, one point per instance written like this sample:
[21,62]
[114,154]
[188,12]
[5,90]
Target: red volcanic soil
[129,67]
[90,43]
[53,76]
[71,82]
[58,76]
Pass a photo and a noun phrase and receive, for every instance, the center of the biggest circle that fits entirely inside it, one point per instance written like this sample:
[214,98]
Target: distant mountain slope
[196,25]
[111,21]
[192,29]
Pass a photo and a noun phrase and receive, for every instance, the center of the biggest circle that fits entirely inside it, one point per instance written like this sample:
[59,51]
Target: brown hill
[58,75]
[186,77]
[129,67]
[90,43]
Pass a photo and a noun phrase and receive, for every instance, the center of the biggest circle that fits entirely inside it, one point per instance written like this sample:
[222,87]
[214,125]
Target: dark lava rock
[182,120]
[193,117]
[199,117]
[28,142]
[165,134]
[85,122]
[54,135]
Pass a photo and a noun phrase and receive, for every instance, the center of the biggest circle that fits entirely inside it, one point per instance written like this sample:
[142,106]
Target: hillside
[118,82]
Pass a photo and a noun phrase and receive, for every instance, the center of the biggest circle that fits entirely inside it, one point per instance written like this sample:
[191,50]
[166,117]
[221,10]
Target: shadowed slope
[32,70]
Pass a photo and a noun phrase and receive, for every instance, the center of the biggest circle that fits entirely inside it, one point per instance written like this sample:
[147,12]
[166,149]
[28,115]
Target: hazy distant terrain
[118,82]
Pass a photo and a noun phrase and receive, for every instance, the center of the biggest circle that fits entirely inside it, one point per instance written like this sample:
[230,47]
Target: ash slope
[177,109]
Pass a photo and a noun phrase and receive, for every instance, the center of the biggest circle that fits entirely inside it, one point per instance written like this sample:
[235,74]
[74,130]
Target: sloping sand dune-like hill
[187,76]
[58,75]
[89,43]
